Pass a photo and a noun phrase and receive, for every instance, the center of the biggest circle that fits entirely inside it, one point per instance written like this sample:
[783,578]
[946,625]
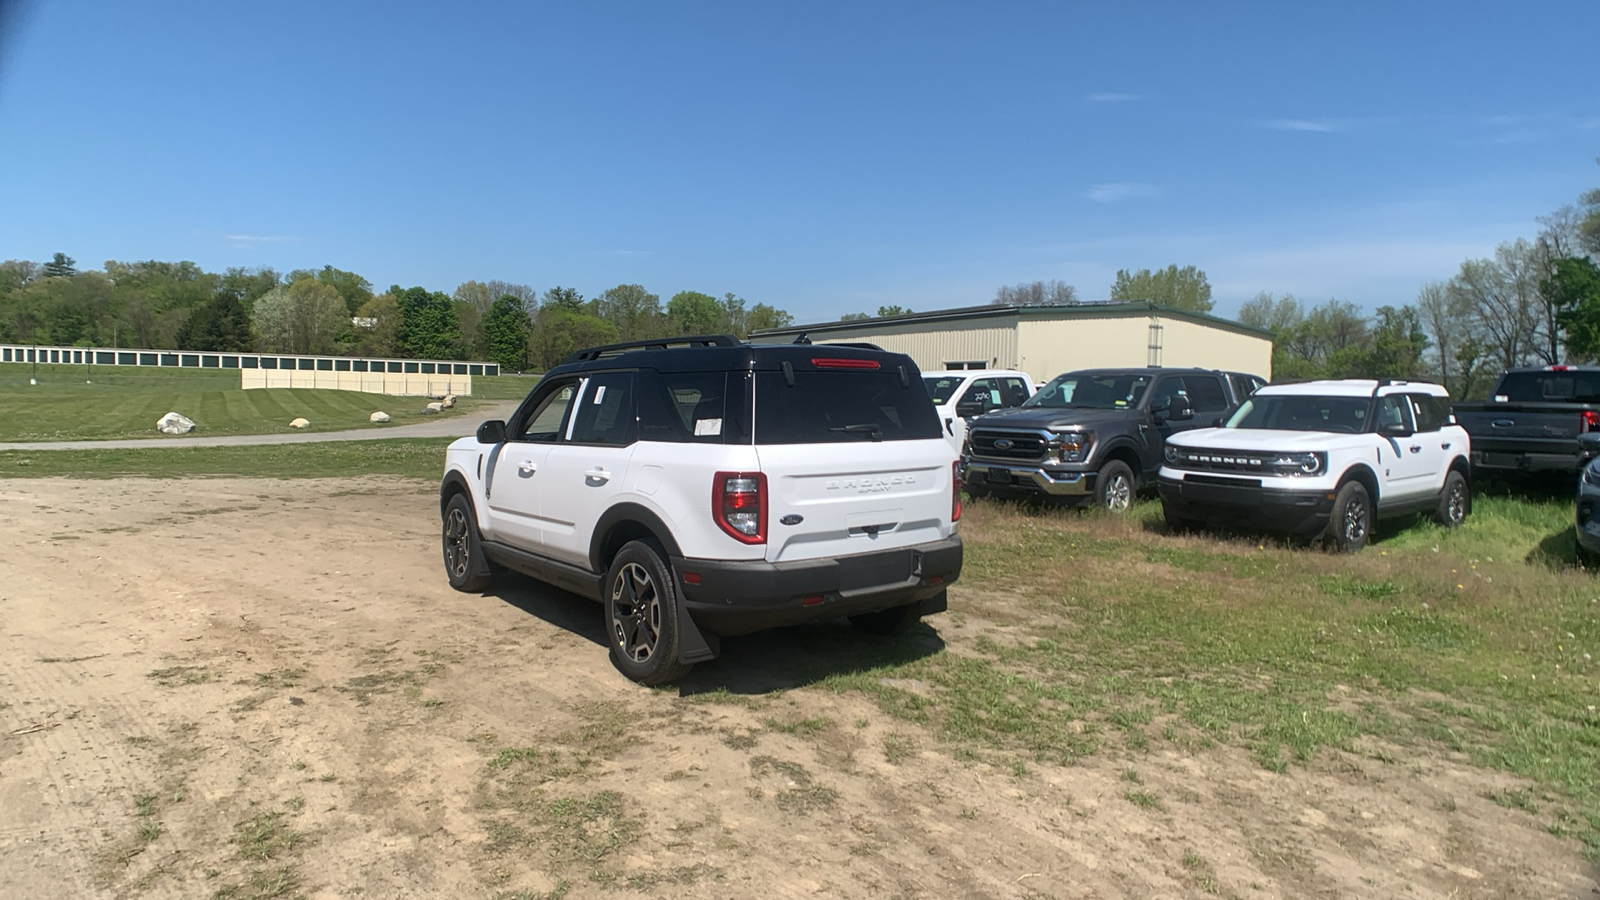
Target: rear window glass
[1550,387]
[840,407]
[942,387]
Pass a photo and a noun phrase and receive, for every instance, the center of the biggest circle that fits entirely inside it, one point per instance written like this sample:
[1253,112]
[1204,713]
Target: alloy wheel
[457,538]
[1456,506]
[1119,494]
[635,613]
[1355,520]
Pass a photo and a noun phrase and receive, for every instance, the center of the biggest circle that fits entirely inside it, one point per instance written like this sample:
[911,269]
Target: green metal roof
[1080,311]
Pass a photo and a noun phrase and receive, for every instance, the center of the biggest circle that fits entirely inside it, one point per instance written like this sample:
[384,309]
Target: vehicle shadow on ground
[563,609]
[785,658]
[760,663]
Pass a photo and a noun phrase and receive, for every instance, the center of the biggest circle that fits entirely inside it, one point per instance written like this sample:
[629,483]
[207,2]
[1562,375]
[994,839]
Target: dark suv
[1095,435]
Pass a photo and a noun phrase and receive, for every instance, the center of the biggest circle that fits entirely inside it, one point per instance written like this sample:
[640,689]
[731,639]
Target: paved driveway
[454,426]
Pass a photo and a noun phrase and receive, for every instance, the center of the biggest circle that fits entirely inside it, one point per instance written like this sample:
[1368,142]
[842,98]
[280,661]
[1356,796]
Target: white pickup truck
[964,394]
[1323,458]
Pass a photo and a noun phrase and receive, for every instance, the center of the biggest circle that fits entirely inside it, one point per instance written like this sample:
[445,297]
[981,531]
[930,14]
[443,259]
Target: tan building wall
[1045,343]
[1052,346]
[392,383]
[993,341]
[1191,344]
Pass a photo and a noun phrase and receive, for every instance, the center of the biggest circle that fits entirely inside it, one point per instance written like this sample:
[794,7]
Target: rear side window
[1550,387]
[605,414]
[1426,411]
[1205,393]
[693,407]
[1014,392]
[840,407]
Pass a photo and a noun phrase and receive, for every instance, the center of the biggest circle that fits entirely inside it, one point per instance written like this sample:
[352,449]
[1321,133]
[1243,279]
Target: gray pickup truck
[1532,420]
[1095,435]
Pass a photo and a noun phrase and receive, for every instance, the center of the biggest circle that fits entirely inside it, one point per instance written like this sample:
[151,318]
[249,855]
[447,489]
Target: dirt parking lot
[260,688]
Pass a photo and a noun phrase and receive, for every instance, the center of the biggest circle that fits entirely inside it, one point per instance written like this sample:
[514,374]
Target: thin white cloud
[255,240]
[1112,192]
[1111,98]
[1298,125]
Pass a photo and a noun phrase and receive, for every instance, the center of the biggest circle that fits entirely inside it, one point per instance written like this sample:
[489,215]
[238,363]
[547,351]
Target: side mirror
[492,432]
[1395,431]
[1181,411]
[1589,443]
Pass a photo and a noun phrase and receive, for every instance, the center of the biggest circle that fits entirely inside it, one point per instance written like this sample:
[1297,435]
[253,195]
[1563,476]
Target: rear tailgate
[842,499]
[1520,428]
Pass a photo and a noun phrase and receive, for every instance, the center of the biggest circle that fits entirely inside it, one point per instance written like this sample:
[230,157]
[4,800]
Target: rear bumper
[1032,479]
[1524,461]
[1247,505]
[740,597]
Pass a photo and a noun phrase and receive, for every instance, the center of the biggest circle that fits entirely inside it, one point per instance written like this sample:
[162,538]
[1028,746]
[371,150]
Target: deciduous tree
[1176,288]
[507,327]
[1054,292]
[429,327]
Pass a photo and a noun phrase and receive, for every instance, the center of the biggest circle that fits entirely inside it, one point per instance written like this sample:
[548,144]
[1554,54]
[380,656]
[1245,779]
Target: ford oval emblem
[792,519]
[1002,444]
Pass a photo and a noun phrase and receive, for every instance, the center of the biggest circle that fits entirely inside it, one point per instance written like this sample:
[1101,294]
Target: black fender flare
[628,512]
[454,483]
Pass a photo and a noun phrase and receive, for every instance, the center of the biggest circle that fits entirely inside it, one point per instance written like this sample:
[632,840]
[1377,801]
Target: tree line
[329,311]
[1534,302]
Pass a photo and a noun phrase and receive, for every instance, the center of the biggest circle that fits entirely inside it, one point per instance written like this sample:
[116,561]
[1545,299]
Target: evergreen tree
[60,265]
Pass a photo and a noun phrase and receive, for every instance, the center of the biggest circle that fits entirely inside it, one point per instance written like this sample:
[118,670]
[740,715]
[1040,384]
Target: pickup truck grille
[1222,461]
[1026,446]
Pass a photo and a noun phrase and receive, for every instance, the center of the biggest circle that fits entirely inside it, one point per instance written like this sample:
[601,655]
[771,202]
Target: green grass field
[85,403]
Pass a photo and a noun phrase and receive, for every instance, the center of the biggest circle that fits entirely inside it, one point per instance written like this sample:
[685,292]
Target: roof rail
[858,345]
[693,340]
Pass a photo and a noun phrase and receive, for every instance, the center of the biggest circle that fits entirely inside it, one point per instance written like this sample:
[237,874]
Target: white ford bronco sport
[1323,458]
[701,487]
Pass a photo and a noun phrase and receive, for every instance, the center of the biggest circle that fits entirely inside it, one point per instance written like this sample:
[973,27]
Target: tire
[1350,525]
[641,615]
[464,562]
[891,621]
[1115,486]
[1455,501]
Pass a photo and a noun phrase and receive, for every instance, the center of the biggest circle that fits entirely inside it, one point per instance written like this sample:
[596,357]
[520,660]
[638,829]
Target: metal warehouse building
[1045,341]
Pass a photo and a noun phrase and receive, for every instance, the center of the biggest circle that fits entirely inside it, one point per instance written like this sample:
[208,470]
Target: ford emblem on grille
[1002,444]
[792,519]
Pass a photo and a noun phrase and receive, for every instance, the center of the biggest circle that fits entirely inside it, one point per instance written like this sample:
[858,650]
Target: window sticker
[599,394]
[703,427]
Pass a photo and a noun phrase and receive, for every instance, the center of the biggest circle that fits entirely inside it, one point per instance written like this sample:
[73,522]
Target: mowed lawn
[79,403]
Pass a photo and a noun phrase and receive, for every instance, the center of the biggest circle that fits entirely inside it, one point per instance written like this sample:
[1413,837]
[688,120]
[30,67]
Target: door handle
[1416,448]
[1445,445]
[597,476]
[527,467]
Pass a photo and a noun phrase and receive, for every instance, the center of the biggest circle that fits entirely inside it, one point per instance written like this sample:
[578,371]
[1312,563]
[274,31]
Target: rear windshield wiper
[869,428]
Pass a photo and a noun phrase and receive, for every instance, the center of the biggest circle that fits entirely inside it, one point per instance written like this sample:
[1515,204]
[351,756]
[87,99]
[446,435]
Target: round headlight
[1171,453]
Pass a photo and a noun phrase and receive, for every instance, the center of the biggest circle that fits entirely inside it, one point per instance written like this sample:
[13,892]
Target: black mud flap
[938,603]
[694,646]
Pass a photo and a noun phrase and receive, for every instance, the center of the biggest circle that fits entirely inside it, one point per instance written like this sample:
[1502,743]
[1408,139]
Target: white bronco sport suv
[701,487]
[1323,458]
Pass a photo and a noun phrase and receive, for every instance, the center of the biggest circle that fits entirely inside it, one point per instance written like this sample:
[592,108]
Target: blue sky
[823,157]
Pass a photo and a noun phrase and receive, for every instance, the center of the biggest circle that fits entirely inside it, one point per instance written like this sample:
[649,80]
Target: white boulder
[300,423]
[448,401]
[378,417]
[172,423]
[433,407]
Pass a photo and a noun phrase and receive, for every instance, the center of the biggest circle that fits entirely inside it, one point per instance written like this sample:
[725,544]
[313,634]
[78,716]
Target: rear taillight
[1591,420]
[739,504]
[955,491]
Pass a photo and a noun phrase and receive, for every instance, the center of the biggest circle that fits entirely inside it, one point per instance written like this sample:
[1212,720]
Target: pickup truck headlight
[1299,463]
[1171,454]
[1591,475]
[1072,446]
